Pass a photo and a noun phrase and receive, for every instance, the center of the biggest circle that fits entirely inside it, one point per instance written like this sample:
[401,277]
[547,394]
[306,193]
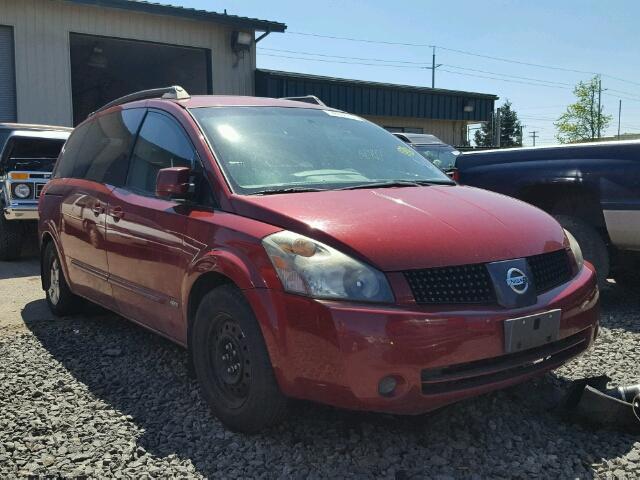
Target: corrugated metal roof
[184,12]
[375,98]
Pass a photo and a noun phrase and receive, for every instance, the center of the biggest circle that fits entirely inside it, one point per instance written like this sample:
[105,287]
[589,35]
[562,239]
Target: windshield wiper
[399,183]
[275,191]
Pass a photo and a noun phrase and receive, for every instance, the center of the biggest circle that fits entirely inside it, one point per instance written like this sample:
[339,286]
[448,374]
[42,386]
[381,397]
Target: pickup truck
[592,189]
[27,156]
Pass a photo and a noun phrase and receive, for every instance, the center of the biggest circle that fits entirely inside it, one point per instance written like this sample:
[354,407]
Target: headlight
[22,190]
[572,245]
[311,268]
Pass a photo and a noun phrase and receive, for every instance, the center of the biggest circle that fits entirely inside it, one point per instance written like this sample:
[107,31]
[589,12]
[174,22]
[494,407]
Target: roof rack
[306,99]
[174,92]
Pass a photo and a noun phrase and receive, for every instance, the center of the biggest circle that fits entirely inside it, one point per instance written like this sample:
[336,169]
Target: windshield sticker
[408,151]
[343,115]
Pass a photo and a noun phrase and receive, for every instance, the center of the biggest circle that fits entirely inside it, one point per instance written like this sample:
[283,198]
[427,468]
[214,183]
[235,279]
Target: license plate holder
[531,331]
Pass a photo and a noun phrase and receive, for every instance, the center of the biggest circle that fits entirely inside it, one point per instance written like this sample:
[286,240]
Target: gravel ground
[94,395]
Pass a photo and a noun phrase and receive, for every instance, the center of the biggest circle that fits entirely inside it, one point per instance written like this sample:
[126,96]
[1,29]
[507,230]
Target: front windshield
[442,156]
[278,148]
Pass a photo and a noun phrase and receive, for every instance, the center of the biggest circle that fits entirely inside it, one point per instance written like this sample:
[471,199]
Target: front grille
[471,284]
[492,370]
[39,187]
[550,270]
[462,284]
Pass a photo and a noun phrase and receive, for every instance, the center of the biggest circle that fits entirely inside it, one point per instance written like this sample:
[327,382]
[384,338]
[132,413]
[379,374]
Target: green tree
[510,129]
[484,136]
[582,120]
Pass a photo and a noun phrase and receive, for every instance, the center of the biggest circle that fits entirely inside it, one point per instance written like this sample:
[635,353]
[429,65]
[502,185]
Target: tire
[59,297]
[10,239]
[232,364]
[591,243]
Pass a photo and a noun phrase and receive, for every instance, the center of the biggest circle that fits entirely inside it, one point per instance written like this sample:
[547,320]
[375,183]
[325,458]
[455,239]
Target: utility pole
[433,66]
[599,103]
[619,115]
[534,135]
[496,127]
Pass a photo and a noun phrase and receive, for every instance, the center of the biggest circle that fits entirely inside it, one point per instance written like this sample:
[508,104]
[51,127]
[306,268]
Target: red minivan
[299,251]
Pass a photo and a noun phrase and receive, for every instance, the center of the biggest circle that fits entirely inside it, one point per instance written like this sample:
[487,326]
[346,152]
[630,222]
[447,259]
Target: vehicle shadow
[24,267]
[142,375]
[621,307]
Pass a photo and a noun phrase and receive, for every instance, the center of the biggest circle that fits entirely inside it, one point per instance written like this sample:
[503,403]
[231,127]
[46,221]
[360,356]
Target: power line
[363,40]
[503,79]
[346,62]
[465,52]
[343,57]
[421,64]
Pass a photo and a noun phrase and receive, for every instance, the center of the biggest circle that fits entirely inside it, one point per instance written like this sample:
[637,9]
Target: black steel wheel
[232,363]
[230,360]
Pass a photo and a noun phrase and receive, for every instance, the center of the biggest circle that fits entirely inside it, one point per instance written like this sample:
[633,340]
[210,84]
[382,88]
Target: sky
[580,35]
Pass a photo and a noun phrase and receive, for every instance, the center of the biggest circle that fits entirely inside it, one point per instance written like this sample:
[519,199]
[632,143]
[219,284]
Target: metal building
[398,108]
[61,59]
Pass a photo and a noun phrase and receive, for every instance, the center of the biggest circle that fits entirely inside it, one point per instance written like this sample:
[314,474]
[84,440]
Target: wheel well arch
[203,285]
[562,199]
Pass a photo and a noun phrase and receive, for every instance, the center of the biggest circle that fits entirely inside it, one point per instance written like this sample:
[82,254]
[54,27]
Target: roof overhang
[187,13]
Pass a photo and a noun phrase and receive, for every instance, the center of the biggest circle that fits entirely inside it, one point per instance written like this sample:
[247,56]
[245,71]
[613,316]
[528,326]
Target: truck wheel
[10,239]
[593,247]
[232,363]
[59,297]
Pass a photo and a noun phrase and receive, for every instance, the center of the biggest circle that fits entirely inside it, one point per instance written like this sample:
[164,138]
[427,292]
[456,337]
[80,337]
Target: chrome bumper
[21,212]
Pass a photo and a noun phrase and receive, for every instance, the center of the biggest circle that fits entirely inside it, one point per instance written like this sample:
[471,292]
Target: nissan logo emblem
[517,280]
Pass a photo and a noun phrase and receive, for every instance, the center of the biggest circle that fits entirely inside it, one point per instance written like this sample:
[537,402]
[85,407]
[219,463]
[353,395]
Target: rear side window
[66,163]
[161,143]
[100,153]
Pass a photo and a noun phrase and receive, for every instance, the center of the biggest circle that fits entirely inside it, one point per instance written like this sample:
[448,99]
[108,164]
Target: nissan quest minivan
[299,251]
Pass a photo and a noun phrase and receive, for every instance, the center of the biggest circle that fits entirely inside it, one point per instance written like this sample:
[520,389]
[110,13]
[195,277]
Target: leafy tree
[510,129]
[484,136]
[582,120]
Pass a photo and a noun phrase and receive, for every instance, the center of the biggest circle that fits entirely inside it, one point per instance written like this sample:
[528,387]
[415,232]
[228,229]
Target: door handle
[117,213]
[98,209]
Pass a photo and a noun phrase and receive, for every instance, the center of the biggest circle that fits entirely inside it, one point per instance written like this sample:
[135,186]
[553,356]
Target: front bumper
[21,212]
[337,352]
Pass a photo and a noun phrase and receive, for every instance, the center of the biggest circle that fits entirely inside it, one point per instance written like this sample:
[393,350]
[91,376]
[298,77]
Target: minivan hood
[405,228]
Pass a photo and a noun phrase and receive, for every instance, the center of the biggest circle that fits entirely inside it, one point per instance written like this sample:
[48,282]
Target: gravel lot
[94,395]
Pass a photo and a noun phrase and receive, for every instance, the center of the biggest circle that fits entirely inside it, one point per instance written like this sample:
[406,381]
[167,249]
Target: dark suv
[300,251]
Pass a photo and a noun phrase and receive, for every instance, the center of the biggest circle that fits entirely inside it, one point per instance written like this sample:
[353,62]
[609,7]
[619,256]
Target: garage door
[104,68]
[7,76]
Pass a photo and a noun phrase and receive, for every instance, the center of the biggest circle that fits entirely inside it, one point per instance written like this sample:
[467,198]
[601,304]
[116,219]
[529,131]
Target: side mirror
[173,183]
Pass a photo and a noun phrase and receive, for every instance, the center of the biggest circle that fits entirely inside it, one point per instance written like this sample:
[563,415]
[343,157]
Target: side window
[161,144]
[104,154]
[67,161]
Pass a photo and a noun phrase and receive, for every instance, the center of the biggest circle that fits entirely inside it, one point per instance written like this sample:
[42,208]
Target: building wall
[451,132]
[41,37]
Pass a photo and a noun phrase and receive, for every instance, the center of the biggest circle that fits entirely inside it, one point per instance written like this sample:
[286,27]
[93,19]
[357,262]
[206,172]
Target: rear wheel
[232,363]
[591,243]
[59,297]
[10,239]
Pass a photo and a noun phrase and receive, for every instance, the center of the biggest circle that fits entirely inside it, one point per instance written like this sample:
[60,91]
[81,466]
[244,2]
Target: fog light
[387,386]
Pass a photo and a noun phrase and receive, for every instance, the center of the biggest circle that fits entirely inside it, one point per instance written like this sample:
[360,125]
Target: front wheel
[232,363]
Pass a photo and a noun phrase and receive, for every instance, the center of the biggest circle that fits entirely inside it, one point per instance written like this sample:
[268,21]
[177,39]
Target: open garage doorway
[105,68]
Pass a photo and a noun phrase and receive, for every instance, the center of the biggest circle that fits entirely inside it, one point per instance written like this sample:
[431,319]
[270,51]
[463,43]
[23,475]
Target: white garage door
[7,76]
